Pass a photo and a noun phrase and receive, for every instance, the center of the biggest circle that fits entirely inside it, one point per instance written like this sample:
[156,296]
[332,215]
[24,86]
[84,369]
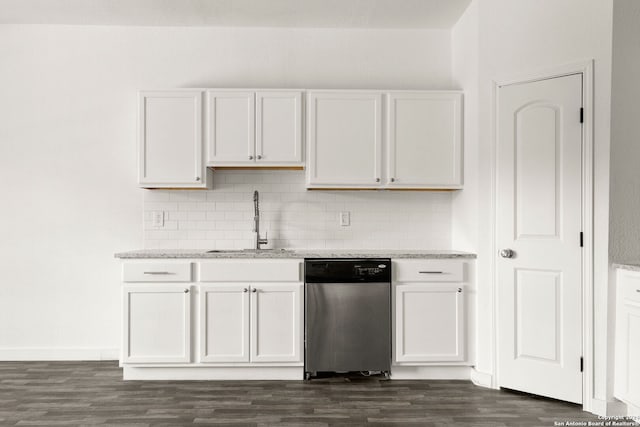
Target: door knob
[507,253]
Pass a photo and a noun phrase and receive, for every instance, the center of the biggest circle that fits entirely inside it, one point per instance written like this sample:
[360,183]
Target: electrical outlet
[345,219]
[157,219]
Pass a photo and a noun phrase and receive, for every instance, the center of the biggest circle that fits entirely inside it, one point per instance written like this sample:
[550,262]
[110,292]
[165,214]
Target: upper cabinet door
[424,140]
[279,128]
[170,139]
[230,127]
[345,139]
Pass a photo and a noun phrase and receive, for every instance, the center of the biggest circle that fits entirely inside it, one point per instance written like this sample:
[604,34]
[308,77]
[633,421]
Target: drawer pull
[158,272]
[431,272]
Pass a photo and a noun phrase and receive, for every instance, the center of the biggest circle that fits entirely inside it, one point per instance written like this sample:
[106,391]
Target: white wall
[465,225]
[67,148]
[624,239]
[538,35]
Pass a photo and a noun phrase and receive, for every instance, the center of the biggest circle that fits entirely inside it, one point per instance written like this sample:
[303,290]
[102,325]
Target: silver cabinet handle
[254,290]
[197,178]
[157,272]
[186,291]
[245,290]
[377,179]
[431,272]
[507,253]
[393,180]
[259,157]
[459,290]
[250,157]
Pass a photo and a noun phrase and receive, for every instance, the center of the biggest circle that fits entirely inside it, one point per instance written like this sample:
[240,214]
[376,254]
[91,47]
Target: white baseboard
[608,408]
[430,372]
[481,379]
[206,373]
[57,354]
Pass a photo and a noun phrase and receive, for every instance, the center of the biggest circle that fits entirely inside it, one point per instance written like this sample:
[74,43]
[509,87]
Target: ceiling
[401,14]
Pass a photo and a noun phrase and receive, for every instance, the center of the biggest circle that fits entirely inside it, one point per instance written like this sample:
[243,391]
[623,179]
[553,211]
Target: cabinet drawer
[272,270]
[428,270]
[156,272]
[629,285]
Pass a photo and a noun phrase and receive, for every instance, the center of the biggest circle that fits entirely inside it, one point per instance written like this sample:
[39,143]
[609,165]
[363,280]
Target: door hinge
[581,364]
[581,239]
[581,115]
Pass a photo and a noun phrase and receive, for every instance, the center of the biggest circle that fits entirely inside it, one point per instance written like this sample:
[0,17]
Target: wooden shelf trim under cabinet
[381,189]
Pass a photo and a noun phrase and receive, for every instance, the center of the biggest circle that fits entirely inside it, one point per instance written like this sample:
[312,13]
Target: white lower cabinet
[627,341]
[276,320]
[224,323]
[429,323]
[251,323]
[157,323]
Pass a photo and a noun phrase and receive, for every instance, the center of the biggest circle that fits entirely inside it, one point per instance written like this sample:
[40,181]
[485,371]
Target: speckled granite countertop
[297,253]
[631,266]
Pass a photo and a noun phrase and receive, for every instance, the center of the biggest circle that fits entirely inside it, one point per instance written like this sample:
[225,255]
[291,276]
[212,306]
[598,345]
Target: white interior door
[539,156]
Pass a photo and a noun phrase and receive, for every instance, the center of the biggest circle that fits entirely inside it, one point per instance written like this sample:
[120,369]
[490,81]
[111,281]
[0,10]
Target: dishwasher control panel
[340,270]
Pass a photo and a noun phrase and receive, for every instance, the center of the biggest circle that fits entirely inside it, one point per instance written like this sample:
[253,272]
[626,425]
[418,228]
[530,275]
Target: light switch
[345,218]
[157,219]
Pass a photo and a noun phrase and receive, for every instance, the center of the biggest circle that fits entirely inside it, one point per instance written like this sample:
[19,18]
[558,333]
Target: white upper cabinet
[170,139]
[247,128]
[424,139]
[422,148]
[278,127]
[345,139]
[230,126]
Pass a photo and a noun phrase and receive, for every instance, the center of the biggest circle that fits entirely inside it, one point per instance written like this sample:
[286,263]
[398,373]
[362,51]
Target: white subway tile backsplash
[295,218]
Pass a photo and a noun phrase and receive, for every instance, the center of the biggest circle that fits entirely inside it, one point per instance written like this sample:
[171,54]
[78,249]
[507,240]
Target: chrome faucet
[256,221]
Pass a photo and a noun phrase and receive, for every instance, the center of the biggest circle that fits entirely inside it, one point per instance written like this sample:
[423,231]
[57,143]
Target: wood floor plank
[93,393]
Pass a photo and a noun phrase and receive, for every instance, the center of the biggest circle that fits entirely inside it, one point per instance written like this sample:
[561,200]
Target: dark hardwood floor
[93,393]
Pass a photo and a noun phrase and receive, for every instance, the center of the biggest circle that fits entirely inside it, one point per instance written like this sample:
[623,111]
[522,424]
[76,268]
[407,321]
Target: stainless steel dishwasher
[347,316]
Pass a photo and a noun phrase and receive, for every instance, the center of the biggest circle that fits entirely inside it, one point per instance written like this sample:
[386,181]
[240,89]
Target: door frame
[585,68]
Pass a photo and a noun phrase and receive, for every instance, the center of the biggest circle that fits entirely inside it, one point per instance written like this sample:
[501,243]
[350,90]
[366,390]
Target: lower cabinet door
[157,326]
[429,323]
[224,323]
[627,342]
[276,320]
[632,356]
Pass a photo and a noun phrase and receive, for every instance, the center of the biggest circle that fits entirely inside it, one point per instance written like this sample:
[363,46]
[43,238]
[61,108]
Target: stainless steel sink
[244,251]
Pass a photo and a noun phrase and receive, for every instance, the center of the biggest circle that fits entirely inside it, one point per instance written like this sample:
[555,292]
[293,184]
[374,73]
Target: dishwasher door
[347,327]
